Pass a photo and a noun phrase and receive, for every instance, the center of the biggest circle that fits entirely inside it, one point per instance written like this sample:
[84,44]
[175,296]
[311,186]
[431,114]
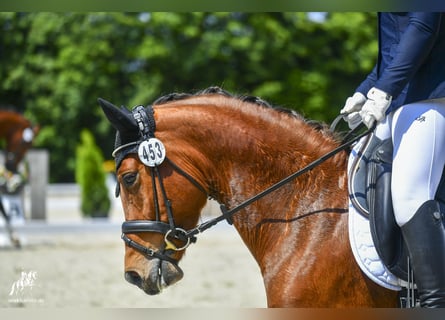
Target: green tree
[90,175]
[53,66]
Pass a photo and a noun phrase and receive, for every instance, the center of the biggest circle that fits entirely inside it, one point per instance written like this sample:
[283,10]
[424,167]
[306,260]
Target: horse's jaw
[156,276]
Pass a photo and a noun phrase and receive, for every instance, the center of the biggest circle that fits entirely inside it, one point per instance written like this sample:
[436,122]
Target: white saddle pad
[363,247]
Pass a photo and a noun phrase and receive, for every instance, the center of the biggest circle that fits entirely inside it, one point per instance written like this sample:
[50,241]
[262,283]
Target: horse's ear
[121,118]
[36,130]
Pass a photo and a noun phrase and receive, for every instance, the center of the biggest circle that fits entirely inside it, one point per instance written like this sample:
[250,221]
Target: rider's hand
[354,103]
[351,109]
[375,107]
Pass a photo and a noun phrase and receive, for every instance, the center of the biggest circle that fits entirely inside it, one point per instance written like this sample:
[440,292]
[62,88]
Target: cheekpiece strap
[145,120]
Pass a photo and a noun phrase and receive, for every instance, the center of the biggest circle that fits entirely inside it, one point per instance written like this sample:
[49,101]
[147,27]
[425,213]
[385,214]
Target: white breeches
[418,135]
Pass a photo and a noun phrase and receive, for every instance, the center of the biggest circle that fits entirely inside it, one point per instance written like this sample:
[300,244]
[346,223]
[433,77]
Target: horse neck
[297,234]
[238,152]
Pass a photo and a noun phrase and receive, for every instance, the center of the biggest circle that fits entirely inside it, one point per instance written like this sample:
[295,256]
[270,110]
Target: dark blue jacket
[411,60]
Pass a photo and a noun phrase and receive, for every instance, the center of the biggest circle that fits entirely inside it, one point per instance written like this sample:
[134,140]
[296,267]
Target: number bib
[151,152]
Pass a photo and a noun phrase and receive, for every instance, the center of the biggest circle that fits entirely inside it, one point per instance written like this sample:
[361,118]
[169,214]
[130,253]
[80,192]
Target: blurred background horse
[17,134]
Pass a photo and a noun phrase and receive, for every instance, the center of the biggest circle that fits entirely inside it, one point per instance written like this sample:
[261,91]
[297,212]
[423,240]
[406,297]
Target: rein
[227,214]
[146,123]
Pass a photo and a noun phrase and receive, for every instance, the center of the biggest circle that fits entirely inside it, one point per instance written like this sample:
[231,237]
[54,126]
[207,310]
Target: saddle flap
[385,232]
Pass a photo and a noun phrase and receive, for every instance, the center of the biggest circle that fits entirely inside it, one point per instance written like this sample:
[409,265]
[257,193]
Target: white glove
[354,103]
[350,110]
[375,107]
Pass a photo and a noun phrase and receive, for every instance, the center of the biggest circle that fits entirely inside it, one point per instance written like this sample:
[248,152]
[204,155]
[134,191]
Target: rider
[405,95]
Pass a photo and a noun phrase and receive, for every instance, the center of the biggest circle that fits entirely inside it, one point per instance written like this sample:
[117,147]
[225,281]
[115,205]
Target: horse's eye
[129,178]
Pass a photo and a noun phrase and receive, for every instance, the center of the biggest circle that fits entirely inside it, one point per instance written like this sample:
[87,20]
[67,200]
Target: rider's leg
[419,156]
[419,159]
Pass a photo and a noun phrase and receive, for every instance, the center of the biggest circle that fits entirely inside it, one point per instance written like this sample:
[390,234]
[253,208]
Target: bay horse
[18,133]
[174,155]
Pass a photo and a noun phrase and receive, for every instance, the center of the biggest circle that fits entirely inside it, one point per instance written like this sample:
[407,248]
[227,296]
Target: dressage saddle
[370,193]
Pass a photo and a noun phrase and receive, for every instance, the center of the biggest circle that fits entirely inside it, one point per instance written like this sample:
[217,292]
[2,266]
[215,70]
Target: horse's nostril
[134,278]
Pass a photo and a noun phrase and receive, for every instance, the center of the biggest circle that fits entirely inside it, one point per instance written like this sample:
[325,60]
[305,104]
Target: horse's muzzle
[159,275]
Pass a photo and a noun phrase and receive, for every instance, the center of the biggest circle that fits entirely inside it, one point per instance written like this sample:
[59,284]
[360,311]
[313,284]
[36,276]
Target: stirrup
[408,297]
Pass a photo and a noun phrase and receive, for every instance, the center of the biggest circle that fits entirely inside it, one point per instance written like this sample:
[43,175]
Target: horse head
[19,143]
[155,226]
[19,134]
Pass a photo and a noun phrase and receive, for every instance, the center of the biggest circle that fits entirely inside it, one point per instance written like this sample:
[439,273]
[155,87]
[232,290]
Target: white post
[38,162]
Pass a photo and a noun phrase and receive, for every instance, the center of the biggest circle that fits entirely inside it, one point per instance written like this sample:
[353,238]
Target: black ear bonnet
[132,127]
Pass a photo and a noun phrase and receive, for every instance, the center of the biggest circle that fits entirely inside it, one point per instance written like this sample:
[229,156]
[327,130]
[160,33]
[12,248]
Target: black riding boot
[424,236]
